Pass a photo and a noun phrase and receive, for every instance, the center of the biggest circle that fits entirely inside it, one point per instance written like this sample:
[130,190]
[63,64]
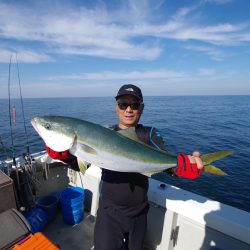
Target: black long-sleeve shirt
[127,192]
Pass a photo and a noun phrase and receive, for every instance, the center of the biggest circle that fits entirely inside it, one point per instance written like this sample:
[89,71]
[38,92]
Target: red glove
[186,169]
[64,156]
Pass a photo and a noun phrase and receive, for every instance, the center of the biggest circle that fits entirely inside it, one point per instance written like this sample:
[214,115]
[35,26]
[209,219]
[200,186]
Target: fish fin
[150,173]
[86,148]
[214,170]
[129,133]
[83,166]
[208,158]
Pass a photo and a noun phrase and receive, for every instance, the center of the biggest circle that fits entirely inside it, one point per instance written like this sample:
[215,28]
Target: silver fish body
[101,146]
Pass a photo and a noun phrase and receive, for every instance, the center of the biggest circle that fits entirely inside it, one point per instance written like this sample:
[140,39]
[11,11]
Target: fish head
[56,131]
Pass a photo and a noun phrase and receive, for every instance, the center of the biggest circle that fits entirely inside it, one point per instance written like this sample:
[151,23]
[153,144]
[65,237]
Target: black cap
[130,89]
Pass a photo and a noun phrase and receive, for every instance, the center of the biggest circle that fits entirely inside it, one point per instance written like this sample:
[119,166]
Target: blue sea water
[203,123]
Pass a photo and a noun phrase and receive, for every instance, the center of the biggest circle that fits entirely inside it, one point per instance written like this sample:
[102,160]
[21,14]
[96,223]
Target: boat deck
[77,237]
[175,215]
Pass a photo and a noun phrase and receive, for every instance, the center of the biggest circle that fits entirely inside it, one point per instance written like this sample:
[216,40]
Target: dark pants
[112,227]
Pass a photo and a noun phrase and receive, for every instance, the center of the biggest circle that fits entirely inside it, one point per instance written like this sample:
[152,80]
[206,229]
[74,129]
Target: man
[123,205]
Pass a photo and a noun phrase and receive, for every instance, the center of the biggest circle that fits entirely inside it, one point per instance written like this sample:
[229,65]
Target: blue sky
[69,48]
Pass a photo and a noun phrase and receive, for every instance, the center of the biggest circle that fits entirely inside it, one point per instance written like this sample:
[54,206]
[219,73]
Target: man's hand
[64,156]
[189,166]
[195,159]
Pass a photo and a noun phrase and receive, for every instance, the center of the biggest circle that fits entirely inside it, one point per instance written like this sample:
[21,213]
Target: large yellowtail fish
[118,151]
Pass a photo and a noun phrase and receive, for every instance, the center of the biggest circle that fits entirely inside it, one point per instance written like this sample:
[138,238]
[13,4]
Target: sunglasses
[133,106]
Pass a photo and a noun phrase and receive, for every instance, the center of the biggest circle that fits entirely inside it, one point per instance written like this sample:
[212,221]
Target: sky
[74,48]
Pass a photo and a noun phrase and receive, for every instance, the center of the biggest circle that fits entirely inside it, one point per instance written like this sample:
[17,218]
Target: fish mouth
[34,124]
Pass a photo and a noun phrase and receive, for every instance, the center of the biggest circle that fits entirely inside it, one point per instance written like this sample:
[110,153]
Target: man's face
[129,116]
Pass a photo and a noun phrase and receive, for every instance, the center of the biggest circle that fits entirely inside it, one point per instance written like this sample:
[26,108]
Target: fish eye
[47,126]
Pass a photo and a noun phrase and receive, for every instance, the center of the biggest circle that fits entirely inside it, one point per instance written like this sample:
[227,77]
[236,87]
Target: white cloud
[119,33]
[223,34]
[132,75]
[206,72]
[130,53]
[219,1]
[24,56]
[164,83]
[80,32]
[213,52]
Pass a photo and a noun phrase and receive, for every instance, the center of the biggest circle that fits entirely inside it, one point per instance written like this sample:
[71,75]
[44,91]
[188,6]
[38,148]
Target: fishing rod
[27,156]
[29,168]
[22,107]
[11,130]
[24,174]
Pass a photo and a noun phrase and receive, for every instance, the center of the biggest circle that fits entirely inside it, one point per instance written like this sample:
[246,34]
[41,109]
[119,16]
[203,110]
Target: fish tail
[209,158]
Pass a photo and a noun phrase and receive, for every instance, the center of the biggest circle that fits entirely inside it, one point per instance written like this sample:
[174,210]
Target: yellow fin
[129,133]
[150,173]
[208,158]
[83,166]
[214,170]
[86,149]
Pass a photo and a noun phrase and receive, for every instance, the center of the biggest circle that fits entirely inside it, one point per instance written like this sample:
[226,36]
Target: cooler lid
[4,179]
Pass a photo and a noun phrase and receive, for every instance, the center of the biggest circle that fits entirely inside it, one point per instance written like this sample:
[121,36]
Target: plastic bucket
[73,217]
[72,204]
[49,204]
[37,218]
[57,194]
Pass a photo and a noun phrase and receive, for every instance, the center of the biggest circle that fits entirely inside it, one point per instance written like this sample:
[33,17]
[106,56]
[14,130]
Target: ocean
[187,123]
